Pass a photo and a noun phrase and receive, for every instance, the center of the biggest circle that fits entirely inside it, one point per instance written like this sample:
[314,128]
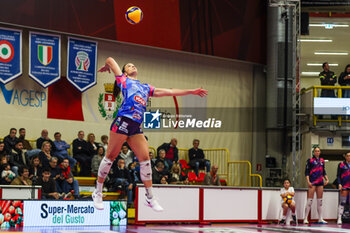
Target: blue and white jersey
[135,96]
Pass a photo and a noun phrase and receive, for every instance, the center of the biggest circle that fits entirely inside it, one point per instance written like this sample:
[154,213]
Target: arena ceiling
[335,34]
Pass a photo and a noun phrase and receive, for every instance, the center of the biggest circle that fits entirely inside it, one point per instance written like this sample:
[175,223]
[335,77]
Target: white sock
[149,193]
[342,202]
[284,217]
[99,187]
[308,207]
[319,209]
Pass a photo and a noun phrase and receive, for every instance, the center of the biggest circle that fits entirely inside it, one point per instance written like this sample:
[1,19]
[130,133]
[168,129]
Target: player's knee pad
[145,170]
[104,168]
[319,202]
[309,202]
[342,200]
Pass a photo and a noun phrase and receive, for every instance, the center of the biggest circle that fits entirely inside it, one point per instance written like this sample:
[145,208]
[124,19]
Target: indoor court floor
[215,228]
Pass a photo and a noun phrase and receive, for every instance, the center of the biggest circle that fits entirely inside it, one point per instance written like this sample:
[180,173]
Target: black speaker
[304,23]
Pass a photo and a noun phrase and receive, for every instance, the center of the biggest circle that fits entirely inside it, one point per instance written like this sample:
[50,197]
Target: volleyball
[133,15]
[288,199]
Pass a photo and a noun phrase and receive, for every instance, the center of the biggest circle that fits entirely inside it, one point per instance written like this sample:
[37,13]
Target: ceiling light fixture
[315,40]
[329,25]
[320,64]
[306,73]
[331,53]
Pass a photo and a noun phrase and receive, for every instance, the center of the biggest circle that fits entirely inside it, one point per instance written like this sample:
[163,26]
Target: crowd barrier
[20,192]
[206,204]
[240,175]
[49,213]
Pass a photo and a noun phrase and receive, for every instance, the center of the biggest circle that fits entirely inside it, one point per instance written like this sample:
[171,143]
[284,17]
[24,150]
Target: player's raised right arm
[111,64]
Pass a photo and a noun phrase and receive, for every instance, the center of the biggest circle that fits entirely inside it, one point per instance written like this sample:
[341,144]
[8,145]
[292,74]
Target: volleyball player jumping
[127,126]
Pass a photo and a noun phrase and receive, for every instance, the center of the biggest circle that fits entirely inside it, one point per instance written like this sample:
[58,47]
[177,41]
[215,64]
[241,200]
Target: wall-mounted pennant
[82,62]
[10,54]
[44,58]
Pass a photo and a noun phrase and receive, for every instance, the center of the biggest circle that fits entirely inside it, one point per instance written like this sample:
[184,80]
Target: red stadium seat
[184,164]
[201,176]
[192,176]
[223,182]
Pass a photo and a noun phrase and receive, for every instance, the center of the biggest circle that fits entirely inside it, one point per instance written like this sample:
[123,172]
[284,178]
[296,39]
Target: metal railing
[240,175]
[256,180]
[339,89]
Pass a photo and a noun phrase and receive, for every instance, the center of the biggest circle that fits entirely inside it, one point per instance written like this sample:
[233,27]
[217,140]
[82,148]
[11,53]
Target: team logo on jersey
[139,100]
[108,106]
[82,61]
[136,116]
[45,54]
[152,120]
[7,51]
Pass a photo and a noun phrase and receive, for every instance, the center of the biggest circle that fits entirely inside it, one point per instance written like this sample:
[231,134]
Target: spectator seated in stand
[172,153]
[3,160]
[104,141]
[92,145]
[163,180]
[196,157]
[167,163]
[62,150]
[121,179]
[23,177]
[136,163]
[7,175]
[126,154]
[69,185]
[212,178]
[134,174]
[157,172]
[45,154]
[153,160]
[35,169]
[45,138]
[10,140]
[26,144]
[96,160]
[2,149]
[55,171]
[48,185]
[18,157]
[176,175]
[82,154]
